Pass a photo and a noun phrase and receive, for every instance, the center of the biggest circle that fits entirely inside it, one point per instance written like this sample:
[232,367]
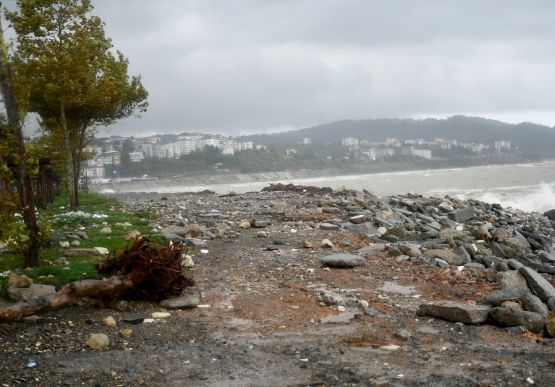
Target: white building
[136,157]
[349,141]
[424,153]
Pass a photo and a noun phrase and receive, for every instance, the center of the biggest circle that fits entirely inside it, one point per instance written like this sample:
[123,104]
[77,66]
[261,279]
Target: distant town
[108,155]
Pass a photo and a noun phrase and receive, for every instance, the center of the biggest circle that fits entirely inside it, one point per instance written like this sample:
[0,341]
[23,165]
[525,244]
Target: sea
[529,187]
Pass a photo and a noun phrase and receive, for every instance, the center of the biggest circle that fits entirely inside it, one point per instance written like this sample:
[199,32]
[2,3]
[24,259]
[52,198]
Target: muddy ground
[261,321]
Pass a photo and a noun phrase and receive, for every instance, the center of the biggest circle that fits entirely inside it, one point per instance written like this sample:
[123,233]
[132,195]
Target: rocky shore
[309,286]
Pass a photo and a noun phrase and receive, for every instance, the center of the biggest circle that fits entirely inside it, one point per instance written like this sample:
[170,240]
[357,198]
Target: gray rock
[455,311]
[441,263]
[328,226]
[514,264]
[195,242]
[357,219]
[105,230]
[172,229]
[538,284]
[537,266]
[508,317]
[448,256]
[172,237]
[513,287]
[547,257]
[550,214]
[532,303]
[331,210]
[183,302]
[343,260]
[261,223]
[474,267]
[410,249]
[461,252]
[551,303]
[31,292]
[462,215]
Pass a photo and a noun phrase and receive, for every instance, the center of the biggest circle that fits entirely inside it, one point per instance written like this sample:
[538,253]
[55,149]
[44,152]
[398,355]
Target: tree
[15,118]
[75,81]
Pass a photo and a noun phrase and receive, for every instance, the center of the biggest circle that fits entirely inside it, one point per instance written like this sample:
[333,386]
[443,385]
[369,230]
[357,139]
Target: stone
[455,311]
[172,229]
[75,243]
[445,207]
[109,322]
[513,287]
[64,244]
[514,264]
[328,226]
[195,242]
[547,257]
[106,230]
[308,245]
[32,292]
[462,215]
[357,219]
[132,235]
[448,256]
[126,333]
[551,303]
[461,252]
[160,315]
[441,263]
[19,281]
[532,303]
[326,243]
[98,341]
[172,237]
[511,305]
[194,230]
[245,224]
[538,284]
[261,223]
[507,317]
[134,320]
[410,249]
[343,260]
[102,250]
[381,230]
[550,214]
[183,302]
[331,210]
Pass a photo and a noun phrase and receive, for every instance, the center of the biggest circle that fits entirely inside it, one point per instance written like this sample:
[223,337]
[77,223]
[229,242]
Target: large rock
[532,303]
[513,287]
[550,323]
[19,281]
[183,302]
[177,230]
[448,256]
[550,214]
[32,292]
[98,341]
[508,317]
[343,260]
[455,311]
[538,284]
[462,215]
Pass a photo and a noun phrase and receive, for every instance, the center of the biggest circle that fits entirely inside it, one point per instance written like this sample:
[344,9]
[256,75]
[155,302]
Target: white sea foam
[537,198]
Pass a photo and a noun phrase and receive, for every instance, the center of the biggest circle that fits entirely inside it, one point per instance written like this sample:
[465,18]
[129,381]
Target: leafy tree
[11,133]
[75,81]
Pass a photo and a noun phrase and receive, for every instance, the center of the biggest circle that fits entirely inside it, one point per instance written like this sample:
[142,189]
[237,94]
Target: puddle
[342,318]
[393,287]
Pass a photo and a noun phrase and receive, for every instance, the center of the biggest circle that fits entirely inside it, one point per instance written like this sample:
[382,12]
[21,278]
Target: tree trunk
[105,289]
[26,196]
[68,158]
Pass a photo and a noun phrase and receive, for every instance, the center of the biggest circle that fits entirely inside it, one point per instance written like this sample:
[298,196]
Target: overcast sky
[243,66]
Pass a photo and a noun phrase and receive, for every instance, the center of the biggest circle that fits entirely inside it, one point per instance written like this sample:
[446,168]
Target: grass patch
[96,211]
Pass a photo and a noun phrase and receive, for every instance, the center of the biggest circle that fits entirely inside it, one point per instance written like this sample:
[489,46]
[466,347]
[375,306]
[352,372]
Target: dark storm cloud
[234,66]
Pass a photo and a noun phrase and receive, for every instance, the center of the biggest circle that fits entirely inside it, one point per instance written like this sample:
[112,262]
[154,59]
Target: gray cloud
[254,65]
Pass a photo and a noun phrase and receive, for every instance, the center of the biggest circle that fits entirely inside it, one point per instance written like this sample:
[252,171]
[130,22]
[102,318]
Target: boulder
[513,287]
[550,214]
[357,219]
[31,292]
[532,303]
[328,226]
[343,260]
[176,230]
[448,256]
[508,317]
[455,311]
[462,215]
[538,284]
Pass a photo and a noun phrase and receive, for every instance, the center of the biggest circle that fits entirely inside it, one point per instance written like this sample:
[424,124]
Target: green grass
[52,273]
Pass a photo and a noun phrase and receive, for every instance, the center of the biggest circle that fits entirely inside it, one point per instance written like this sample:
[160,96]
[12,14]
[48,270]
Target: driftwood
[145,270]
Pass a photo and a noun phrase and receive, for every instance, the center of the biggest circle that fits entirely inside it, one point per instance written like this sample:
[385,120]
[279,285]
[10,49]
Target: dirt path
[263,321]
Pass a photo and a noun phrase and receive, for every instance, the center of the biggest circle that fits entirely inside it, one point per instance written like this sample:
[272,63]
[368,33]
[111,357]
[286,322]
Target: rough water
[530,187]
